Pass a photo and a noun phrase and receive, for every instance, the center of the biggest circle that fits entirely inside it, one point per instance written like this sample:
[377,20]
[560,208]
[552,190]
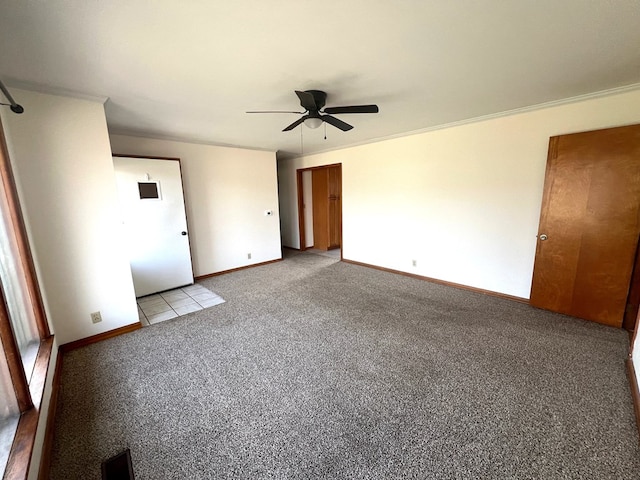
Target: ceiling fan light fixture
[312,101]
[313,122]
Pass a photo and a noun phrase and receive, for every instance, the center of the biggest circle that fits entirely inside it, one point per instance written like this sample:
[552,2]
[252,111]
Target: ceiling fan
[313,103]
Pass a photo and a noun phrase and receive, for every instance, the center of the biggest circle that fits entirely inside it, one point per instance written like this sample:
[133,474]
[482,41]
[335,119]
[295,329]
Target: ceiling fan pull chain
[301,144]
[325,130]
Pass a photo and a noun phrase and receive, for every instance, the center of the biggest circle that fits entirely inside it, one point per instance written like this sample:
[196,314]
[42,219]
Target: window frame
[29,392]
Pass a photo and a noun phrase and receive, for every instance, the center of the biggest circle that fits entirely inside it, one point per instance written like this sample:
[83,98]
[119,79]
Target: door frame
[184,199]
[301,209]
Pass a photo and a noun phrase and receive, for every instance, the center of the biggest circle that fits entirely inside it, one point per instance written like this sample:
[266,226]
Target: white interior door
[155,223]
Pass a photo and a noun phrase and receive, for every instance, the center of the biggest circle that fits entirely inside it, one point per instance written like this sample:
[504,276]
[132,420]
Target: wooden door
[589,224]
[320,187]
[335,208]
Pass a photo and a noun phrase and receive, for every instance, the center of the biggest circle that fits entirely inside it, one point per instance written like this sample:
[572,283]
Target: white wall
[59,149]
[635,352]
[307,198]
[227,191]
[464,201]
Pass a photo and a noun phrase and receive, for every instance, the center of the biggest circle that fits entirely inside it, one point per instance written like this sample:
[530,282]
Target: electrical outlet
[96,317]
[249,256]
[414,263]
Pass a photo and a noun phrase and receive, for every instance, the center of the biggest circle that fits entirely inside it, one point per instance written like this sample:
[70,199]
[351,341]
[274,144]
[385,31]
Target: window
[25,339]
[148,190]
[9,413]
[16,294]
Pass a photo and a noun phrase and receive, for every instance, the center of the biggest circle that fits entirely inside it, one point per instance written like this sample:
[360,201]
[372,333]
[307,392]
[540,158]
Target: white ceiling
[190,69]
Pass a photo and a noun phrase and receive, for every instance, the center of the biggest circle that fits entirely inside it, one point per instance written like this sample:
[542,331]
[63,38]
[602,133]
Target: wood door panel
[335,223]
[602,282]
[556,257]
[334,181]
[590,213]
[320,187]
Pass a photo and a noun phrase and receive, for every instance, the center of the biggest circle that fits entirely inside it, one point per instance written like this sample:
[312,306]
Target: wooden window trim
[14,360]
[29,392]
[25,437]
[17,222]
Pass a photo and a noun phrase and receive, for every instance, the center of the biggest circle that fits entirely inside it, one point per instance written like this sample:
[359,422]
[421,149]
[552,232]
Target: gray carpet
[319,369]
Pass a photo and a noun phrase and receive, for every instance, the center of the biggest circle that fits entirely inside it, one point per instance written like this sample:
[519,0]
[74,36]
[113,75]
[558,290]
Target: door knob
[184,233]
[543,237]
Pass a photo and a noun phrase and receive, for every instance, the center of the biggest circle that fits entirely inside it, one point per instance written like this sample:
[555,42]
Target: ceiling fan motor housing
[320,99]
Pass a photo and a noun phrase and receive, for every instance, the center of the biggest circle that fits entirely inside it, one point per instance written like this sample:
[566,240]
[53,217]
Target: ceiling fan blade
[274,111]
[352,109]
[296,123]
[307,101]
[336,123]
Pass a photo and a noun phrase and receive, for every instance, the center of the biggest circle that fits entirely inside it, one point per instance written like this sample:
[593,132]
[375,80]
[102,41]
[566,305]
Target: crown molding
[171,138]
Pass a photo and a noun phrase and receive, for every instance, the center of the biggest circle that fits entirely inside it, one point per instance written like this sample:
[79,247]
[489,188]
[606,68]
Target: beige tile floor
[174,303]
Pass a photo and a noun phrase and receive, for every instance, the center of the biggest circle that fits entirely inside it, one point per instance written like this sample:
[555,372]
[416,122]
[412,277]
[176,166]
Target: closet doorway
[320,207]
